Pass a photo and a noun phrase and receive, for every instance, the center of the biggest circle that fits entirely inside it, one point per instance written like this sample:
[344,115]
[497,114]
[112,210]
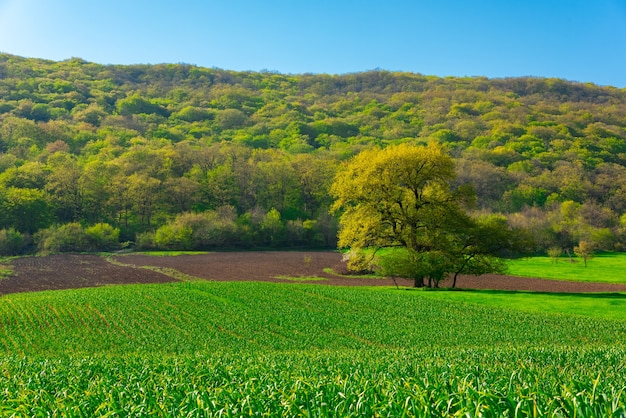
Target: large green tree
[400,196]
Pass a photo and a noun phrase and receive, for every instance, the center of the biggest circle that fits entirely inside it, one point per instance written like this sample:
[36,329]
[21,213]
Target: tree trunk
[419,282]
[454,280]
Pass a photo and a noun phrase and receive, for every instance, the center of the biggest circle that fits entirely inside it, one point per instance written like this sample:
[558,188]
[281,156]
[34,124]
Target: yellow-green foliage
[385,195]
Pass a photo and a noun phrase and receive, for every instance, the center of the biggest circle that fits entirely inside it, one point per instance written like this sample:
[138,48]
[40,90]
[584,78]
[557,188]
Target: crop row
[207,317]
[487,382]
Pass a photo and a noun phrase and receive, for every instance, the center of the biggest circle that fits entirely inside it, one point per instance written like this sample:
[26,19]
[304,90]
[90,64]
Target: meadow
[606,267]
[268,349]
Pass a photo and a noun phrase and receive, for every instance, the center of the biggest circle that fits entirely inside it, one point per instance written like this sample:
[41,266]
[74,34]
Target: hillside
[179,156]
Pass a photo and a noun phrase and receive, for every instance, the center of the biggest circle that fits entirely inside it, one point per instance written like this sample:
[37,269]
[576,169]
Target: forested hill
[179,156]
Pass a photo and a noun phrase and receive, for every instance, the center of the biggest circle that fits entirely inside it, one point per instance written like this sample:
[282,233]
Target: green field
[269,349]
[602,268]
[601,306]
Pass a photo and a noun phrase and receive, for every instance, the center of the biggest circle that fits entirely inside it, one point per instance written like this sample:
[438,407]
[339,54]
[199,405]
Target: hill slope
[137,146]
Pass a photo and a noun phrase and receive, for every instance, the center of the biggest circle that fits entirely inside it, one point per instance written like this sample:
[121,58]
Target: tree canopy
[400,196]
[138,147]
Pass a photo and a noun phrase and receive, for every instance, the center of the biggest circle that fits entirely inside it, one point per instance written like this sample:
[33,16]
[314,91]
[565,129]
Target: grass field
[167,253]
[268,349]
[603,268]
[591,305]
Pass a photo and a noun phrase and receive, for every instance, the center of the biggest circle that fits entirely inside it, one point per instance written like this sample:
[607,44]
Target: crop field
[498,381]
[286,349]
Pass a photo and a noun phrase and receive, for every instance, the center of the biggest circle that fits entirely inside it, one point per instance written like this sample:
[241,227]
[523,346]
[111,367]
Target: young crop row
[410,382]
[264,317]
[204,316]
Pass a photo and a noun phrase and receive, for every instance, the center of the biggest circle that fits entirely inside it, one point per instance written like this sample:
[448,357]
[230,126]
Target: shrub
[12,242]
[194,231]
[359,262]
[554,253]
[173,237]
[103,236]
[584,250]
[65,238]
[145,241]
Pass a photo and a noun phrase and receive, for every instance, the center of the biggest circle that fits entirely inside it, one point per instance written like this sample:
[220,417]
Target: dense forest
[179,156]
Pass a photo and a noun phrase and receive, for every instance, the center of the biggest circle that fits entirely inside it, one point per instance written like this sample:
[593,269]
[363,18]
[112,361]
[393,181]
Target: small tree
[401,263]
[478,245]
[554,253]
[273,228]
[584,250]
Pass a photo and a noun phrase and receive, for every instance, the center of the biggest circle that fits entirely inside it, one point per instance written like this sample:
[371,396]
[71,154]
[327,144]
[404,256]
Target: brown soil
[69,271]
[74,271]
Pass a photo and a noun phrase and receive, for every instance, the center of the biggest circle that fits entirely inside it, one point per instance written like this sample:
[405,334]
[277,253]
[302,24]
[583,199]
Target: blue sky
[574,39]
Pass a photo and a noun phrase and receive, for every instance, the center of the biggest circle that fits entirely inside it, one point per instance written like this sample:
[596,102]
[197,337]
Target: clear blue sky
[580,40]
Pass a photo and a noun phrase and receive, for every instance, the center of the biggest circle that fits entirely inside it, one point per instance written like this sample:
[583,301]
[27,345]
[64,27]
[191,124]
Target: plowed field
[73,271]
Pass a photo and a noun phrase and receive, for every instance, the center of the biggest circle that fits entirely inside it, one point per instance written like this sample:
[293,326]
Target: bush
[173,237]
[359,262]
[103,237]
[554,253]
[65,238]
[431,265]
[195,231]
[399,263]
[12,242]
[145,241]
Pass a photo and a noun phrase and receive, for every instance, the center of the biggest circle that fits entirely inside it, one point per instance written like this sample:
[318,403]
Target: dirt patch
[267,266]
[70,271]
[73,271]
[498,282]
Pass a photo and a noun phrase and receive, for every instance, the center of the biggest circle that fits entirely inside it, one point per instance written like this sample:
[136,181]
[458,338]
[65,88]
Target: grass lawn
[169,253]
[603,268]
[591,305]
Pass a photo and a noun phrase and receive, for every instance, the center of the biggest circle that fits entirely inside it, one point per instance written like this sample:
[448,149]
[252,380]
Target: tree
[136,104]
[181,192]
[64,188]
[554,253]
[70,237]
[143,191]
[584,250]
[400,197]
[25,210]
[393,196]
[272,227]
[481,244]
